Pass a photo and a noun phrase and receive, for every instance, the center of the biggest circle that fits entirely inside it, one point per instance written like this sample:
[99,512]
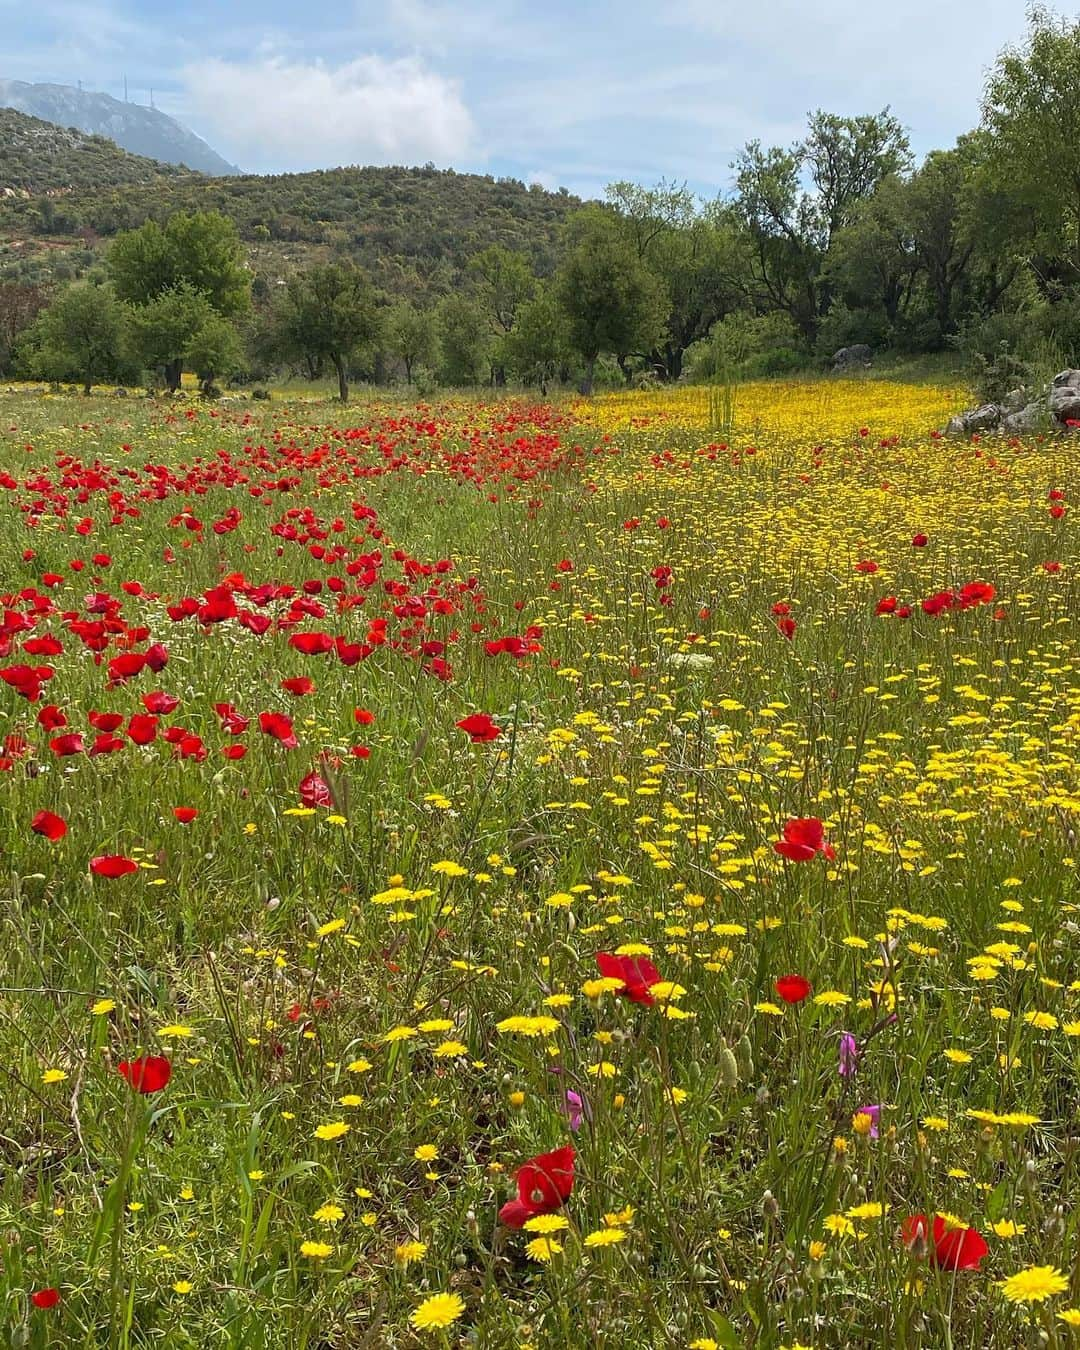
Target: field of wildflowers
[516,875]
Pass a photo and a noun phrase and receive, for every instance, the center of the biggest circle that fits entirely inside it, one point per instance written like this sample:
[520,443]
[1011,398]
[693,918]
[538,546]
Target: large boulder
[987,417]
[1064,399]
[1028,418]
[851,358]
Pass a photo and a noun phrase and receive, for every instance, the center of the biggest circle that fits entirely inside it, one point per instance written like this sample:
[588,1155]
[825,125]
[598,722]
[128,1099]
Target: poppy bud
[745,1054]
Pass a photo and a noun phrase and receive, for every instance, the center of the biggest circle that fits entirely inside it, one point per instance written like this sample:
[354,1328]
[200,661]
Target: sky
[571,93]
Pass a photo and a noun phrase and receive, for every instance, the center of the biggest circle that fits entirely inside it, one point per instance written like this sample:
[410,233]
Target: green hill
[412,228]
[38,157]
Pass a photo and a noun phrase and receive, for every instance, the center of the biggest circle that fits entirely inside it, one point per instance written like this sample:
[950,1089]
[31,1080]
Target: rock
[985,418]
[120,392]
[1064,401]
[1028,418]
[261,395]
[847,358]
[1066,379]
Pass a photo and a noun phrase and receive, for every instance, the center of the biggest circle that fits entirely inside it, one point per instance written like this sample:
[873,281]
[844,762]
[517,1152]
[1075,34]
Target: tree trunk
[87,382]
[590,375]
[408,369]
[342,378]
[173,372]
[624,366]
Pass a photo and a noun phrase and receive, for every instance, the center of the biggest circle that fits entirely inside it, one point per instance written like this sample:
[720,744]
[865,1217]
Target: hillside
[142,131]
[38,157]
[411,227]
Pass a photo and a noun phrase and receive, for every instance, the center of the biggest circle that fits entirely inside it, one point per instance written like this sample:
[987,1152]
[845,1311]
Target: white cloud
[276,112]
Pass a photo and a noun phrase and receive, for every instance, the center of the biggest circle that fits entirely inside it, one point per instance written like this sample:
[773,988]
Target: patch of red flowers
[148,1073]
[544,1184]
[793,988]
[803,839]
[950,1248]
[479,728]
[637,973]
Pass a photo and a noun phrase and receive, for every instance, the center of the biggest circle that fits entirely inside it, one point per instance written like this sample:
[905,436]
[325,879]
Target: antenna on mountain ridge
[125,89]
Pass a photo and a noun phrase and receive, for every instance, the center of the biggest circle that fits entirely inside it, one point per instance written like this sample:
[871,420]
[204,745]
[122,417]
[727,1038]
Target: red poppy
[315,791]
[148,1073]
[113,865]
[867,566]
[976,593]
[1047,567]
[920,541]
[804,838]
[480,728]
[781,609]
[793,988]
[52,827]
[185,814]
[51,718]
[280,727]
[786,628]
[886,605]
[299,685]
[363,717]
[952,1248]
[636,972]
[142,728]
[159,702]
[939,603]
[71,743]
[45,1298]
[544,1184]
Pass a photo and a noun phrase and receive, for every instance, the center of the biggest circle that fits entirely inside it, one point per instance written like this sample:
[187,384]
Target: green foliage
[611,301]
[464,340]
[201,251]
[214,350]
[1032,111]
[539,345]
[411,337]
[37,157]
[329,311]
[82,336]
[164,328]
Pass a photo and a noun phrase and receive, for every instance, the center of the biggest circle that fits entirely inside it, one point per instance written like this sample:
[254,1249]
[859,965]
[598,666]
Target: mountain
[38,157]
[142,131]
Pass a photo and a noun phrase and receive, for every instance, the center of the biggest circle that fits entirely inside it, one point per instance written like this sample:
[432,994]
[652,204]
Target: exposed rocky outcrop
[853,358]
[1052,410]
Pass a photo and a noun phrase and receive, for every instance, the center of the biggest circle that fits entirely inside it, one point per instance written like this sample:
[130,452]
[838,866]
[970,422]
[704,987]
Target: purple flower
[849,1054]
[573,1108]
[874,1112]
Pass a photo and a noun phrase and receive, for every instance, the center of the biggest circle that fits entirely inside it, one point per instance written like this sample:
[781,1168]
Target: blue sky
[565,92]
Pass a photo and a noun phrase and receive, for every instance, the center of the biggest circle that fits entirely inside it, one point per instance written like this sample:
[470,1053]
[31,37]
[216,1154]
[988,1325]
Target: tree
[80,335]
[538,346]
[504,281]
[794,202]
[411,336]
[20,305]
[464,340]
[198,252]
[329,310]
[1031,109]
[164,327]
[213,350]
[611,301]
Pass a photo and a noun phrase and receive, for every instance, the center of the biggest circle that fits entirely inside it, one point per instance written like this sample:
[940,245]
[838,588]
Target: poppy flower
[479,728]
[280,727]
[636,972]
[920,541]
[950,1247]
[113,865]
[803,839]
[159,702]
[544,1184]
[939,603]
[793,988]
[51,826]
[45,1298]
[363,717]
[315,791]
[886,605]
[299,685]
[148,1073]
[786,628]
[71,743]
[185,814]
[867,566]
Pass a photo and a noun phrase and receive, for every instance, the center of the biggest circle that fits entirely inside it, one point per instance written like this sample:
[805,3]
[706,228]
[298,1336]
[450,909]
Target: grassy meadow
[300,988]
